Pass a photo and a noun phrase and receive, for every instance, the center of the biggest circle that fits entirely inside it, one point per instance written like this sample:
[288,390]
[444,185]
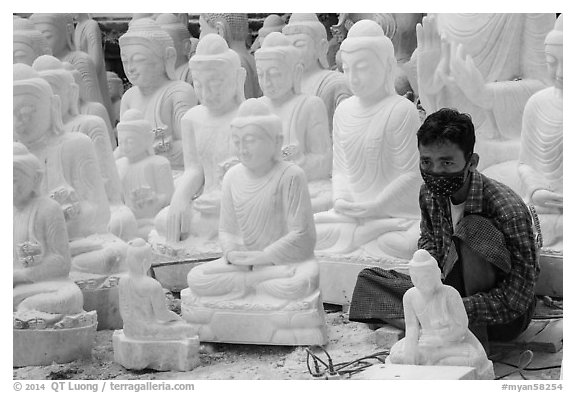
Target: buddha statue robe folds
[306,136]
[268,278]
[148,56]
[375,175]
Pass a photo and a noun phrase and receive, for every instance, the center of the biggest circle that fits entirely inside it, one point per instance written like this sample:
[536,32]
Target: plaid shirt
[514,292]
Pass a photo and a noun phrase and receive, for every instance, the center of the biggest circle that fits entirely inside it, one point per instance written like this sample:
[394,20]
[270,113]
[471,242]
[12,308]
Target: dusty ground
[347,341]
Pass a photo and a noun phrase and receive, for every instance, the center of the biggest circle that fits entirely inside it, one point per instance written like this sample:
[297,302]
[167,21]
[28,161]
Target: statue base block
[409,372]
[162,355]
[338,274]
[386,336]
[250,320]
[47,346]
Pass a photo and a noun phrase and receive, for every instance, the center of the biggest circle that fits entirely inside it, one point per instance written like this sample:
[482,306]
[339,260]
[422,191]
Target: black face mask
[444,185]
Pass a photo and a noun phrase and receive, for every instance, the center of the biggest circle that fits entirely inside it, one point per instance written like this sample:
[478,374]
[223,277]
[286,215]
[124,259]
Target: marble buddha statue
[267,234]
[146,178]
[375,176]
[272,23]
[122,222]
[234,29]
[72,176]
[180,35]
[88,38]
[27,42]
[58,29]
[437,331]
[309,36]
[487,65]
[306,136]
[218,79]
[148,56]
[41,258]
[540,164]
[116,89]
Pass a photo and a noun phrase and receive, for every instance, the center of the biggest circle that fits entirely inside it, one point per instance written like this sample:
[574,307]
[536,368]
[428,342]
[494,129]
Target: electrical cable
[337,370]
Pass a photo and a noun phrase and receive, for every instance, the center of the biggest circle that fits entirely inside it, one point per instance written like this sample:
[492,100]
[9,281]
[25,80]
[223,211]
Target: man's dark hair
[448,125]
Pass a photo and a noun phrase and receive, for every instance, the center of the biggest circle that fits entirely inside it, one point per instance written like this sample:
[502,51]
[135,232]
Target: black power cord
[333,370]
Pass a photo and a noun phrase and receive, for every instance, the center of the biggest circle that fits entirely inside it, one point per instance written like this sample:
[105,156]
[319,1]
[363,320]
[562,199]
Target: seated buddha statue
[306,136]
[148,56]
[41,262]
[375,176]
[309,36]
[540,164]
[234,29]
[267,234]
[122,222]
[58,29]
[437,331]
[218,79]
[72,176]
[487,65]
[27,42]
[180,35]
[146,179]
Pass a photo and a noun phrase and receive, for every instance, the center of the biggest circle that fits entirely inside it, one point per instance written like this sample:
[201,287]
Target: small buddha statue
[72,176]
[437,331]
[58,29]
[540,165]
[122,222]
[218,79]
[306,136]
[116,89]
[309,36]
[487,65]
[180,35]
[146,179]
[234,29]
[375,176]
[272,23]
[267,234]
[148,56]
[27,42]
[41,262]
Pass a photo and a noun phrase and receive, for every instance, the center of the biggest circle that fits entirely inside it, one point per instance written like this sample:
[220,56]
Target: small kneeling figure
[436,324]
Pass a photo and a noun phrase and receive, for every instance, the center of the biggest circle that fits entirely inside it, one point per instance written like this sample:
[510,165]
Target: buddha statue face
[555,60]
[24,184]
[426,279]
[306,46]
[133,145]
[214,83]
[364,72]
[254,146]
[275,77]
[32,116]
[142,65]
[57,30]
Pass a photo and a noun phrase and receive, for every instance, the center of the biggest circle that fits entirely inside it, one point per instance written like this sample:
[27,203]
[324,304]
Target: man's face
[306,48]
[253,146]
[441,158]
[214,84]
[142,66]
[274,77]
[364,72]
[31,117]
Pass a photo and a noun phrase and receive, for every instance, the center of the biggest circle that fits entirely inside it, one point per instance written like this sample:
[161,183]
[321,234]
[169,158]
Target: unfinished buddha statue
[487,65]
[234,29]
[305,132]
[72,176]
[309,36]
[540,164]
[180,35]
[148,56]
[375,157]
[27,42]
[122,222]
[218,79]
[267,234]
[146,179]
[436,324]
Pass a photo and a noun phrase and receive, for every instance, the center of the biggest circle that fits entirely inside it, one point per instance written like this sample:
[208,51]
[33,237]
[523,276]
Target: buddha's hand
[355,209]
[549,199]
[178,221]
[468,78]
[292,153]
[433,56]
[247,258]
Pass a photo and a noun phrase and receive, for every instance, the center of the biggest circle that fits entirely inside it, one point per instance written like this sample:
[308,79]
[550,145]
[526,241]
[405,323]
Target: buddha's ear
[70,36]
[297,77]
[221,29]
[170,62]
[187,47]
[240,80]
[322,50]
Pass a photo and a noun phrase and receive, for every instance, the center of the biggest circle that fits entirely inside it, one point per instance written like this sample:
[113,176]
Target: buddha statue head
[61,81]
[28,43]
[27,175]
[257,136]
[231,27]
[58,29]
[272,23]
[217,74]
[368,61]
[424,271]
[278,66]
[138,257]
[135,136]
[115,85]
[553,49]
[309,36]
[36,109]
[179,33]
[148,54]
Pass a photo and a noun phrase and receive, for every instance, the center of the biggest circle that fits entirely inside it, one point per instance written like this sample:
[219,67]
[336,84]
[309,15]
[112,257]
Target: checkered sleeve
[427,240]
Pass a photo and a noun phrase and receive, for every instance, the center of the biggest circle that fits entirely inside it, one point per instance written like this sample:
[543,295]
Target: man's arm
[426,240]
